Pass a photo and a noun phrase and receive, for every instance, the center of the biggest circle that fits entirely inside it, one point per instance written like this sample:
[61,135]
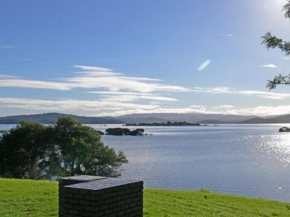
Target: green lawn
[40,198]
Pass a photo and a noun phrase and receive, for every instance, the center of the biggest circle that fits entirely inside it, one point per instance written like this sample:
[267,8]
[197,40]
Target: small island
[124,132]
[284,130]
[169,123]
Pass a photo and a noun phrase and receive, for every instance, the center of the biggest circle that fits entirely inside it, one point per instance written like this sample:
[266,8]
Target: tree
[65,149]
[25,150]
[82,152]
[272,42]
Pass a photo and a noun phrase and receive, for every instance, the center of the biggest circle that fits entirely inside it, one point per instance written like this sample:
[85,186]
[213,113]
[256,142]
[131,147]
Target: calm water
[248,160]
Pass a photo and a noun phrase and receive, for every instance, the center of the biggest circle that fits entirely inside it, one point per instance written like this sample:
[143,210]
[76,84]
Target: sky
[110,58]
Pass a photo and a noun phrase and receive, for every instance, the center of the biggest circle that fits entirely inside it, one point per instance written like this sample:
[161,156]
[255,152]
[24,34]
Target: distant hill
[268,120]
[50,118]
[218,122]
[190,117]
[133,120]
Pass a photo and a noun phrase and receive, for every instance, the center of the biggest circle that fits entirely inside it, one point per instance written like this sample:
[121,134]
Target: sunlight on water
[250,160]
[271,147]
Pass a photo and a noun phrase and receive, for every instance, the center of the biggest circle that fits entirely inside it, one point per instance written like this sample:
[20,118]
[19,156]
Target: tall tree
[25,149]
[82,151]
[272,42]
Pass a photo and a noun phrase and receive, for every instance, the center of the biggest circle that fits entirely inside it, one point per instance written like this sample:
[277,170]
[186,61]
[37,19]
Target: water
[247,160]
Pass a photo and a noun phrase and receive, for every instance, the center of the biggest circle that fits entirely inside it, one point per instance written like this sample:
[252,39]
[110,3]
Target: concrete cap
[83,178]
[104,183]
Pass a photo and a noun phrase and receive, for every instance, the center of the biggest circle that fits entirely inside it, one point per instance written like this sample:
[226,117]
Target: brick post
[98,196]
[70,181]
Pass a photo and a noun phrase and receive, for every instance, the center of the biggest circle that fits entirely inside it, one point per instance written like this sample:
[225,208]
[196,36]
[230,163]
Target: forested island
[169,123]
[284,129]
[125,132]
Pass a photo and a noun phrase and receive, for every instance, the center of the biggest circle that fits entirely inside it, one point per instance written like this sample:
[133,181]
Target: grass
[40,199]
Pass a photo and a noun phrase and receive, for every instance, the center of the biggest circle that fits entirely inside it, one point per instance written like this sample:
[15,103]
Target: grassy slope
[39,199]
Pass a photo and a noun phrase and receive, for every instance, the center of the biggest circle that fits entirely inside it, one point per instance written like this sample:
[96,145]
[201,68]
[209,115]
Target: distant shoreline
[161,118]
[168,124]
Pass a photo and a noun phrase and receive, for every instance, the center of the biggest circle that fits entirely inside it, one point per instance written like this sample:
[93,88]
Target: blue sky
[100,58]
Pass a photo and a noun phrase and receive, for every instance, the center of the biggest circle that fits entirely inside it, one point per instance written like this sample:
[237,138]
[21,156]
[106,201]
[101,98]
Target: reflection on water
[249,160]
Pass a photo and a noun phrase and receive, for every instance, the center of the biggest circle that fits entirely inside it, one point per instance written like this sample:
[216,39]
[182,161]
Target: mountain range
[50,118]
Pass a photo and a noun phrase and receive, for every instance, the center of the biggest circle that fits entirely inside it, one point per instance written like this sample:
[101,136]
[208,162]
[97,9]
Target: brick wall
[85,196]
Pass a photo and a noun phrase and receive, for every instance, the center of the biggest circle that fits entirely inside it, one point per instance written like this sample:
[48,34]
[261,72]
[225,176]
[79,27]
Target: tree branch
[278,80]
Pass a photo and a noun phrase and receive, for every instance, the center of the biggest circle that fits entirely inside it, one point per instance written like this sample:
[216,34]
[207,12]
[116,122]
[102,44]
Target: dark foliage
[118,131]
[25,150]
[83,153]
[124,132]
[65,149]
[272,42]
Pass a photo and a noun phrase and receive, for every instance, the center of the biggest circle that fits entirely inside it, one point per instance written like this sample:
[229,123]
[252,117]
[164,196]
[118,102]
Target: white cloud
[118,94]
[156,110]
[224,107]
[93,68]
[247,111]
[94,71]
[267,95]
[215,90]
[256,111]
[270,66]
[204,65]
[199,107]
[130,96]
[69,104]
[265,110]
[229,35]
[116,108]
[226,90]
[96,78]
[23,83]
[7,47]
[7,76]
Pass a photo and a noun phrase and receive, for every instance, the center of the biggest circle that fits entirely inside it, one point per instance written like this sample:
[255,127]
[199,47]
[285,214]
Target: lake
[247,160]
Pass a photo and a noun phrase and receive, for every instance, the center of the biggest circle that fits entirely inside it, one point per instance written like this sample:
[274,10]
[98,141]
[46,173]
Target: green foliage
[40,199]
[65,149]
[124,131]
[25,149]
[82,152]
[286,8]
[272,42]
[118,131]
[137,132]
[272,84]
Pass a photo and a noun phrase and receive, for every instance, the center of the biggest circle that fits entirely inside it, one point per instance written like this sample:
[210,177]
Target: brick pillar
[70,181]
[97,196]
